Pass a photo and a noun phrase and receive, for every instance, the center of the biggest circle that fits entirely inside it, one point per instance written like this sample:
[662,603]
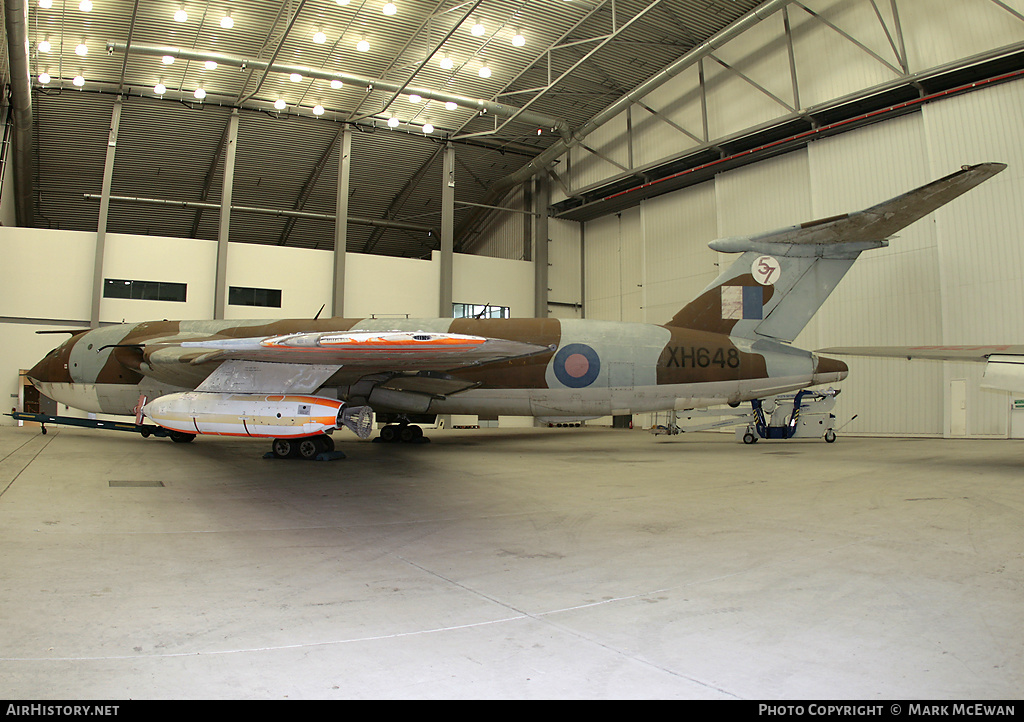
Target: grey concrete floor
[527,563]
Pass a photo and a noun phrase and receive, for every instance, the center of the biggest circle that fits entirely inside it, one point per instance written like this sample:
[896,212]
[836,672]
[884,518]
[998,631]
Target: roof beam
[479,104]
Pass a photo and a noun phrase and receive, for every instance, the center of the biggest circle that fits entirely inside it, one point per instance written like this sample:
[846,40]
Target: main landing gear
[402,433]
[309,448]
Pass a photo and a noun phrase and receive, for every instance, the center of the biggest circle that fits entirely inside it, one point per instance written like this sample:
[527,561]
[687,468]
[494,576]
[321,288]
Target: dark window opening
[144,290]
[238,296]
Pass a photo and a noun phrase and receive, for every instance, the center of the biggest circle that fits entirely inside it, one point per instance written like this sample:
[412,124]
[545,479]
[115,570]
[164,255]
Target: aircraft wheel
[310,447]
[749,438]
[830,436]
[388,433]
[410,433]
[180,437]
[284,448]
[327,442]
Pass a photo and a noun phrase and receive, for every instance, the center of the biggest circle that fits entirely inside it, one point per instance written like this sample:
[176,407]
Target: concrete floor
[493,563]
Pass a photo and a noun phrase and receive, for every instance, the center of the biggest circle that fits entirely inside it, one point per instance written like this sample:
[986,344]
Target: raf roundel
[577,365]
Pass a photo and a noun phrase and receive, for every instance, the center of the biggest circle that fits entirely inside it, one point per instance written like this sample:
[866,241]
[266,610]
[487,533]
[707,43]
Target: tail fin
[784,276]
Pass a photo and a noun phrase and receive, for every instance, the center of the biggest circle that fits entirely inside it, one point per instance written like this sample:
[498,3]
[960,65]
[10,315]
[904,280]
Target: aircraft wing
[1004,364]
[302,362]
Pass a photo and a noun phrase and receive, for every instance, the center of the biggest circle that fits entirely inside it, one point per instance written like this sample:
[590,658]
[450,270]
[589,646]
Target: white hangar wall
[46,283]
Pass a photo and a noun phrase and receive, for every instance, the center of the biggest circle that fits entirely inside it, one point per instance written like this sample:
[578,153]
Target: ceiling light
[44,46]
[78,80]
[447,63]
[85,6]
[280,104]
[210,65]
[226,22]
[180,15]
[200,93]
[392,122]
[318,109]
[518,40]
[167,60]
[336,84]
[428,128]
[390,9]
[82,49]
[485,72]
[415,98]
[44,78]
[46,4]
[451,105]
[319,37]
[478,29]
[159,88]
[362,46]
[295,78]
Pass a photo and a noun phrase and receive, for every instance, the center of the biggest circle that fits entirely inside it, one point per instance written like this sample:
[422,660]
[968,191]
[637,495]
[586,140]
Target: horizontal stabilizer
[860,231]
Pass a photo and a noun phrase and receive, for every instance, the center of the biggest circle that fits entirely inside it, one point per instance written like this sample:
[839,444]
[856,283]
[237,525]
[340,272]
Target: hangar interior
[572,159]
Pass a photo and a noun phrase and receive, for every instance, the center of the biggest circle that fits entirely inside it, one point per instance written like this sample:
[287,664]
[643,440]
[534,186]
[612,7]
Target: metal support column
[220,299]
[447,231]
[341,220]
[542,197]
[101,225]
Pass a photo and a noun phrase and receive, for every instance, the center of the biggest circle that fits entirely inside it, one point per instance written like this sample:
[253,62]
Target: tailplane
[782,277]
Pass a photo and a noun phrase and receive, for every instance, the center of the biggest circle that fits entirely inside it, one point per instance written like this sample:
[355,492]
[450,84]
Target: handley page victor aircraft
[294,380]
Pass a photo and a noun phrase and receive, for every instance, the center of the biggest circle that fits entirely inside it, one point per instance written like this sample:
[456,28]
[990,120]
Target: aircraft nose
[828,370]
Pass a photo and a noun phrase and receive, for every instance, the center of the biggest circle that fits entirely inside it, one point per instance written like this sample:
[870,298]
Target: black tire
[389,433]
[310,447]
[749,438]
[830,436]
[284,448]
[180,437]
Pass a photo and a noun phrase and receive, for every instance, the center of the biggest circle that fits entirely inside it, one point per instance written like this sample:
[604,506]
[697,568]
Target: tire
[310,447]
[388,434]
[180,437]
[830,436]
[749,438]
[284,448]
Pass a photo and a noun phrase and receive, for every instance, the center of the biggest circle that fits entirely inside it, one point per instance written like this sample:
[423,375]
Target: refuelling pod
[257,415]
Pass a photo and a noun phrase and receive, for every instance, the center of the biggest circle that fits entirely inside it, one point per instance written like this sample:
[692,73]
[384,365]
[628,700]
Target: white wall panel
[735,104]
[677,102]
[941,31]
[610,140]
[891,295]
[679,265]
[830,65]
[613,266]
[564,282]
[979,240]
